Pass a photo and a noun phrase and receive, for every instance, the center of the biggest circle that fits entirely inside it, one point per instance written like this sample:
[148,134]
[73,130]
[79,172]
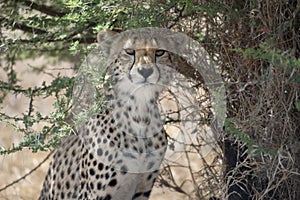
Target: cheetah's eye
[159,52]
[130,52]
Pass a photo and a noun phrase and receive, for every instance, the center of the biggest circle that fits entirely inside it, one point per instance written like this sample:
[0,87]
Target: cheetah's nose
[145,72]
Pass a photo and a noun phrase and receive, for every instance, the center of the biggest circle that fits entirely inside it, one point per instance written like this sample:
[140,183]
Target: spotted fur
[117,153]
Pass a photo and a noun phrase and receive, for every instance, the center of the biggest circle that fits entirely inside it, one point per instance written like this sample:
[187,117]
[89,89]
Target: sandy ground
[16,165]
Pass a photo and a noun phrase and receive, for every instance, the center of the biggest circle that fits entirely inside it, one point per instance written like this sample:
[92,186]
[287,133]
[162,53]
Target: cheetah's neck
[140,116]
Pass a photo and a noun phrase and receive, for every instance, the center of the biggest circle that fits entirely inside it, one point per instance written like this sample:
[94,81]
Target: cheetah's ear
[105,39]
[105,35]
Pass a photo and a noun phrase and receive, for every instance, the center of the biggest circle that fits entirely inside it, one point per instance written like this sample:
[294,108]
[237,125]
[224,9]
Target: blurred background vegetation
[255,43]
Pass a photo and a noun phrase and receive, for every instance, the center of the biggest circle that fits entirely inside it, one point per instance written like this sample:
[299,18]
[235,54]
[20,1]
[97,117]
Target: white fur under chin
[143,92]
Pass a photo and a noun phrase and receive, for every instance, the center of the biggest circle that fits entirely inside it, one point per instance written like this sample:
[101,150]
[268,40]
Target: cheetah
[116,154]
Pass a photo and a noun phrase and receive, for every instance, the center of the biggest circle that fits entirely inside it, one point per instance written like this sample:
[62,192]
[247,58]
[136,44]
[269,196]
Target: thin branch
[168,185]
[43,8]
[89,40]
[27,174]
[179,16]
[21,26]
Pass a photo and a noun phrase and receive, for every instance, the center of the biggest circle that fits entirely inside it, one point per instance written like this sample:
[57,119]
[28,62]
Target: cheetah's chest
[143,142]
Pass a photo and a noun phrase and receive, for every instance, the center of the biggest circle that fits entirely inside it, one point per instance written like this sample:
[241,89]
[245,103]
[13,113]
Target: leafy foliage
[57,126]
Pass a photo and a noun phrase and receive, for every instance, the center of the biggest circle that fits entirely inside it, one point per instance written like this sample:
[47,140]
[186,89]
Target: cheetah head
[138,61]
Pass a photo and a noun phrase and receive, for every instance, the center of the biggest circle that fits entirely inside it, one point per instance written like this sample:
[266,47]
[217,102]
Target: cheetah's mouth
[143,82]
